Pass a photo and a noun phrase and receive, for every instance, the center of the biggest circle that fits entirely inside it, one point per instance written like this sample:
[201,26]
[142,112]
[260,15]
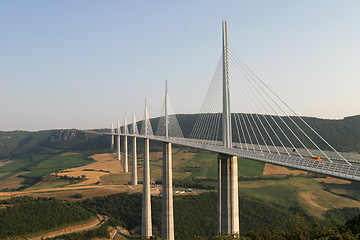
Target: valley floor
[103,176]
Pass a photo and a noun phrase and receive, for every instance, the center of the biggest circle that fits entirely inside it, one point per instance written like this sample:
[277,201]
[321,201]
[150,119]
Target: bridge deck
[337,168]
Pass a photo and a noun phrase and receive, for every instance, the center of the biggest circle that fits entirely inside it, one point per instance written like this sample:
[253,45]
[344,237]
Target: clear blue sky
[81,64]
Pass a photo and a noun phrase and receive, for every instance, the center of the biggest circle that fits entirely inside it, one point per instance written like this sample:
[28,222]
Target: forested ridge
[17,143]
[343,134]
[195,217]
[21,216]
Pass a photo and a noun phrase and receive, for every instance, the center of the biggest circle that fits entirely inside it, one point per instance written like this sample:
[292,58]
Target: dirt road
[101,219]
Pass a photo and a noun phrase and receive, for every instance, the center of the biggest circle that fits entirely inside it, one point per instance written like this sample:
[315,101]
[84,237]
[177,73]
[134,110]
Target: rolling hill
[16,143]
[343,134]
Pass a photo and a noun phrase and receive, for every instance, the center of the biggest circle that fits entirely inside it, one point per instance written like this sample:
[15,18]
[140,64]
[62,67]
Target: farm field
[40,165]
[64,175]
[305,193]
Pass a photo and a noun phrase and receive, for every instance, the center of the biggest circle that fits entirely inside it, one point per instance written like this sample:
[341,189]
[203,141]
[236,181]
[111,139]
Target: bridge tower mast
[125,146]
[112,135]
[167,192]
[228,197]
[166,112]
[226,121]
[118,154]
[134,155]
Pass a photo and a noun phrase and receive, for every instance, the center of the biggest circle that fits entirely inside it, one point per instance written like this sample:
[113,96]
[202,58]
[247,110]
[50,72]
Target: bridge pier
[125,155]
[228,196]
[134,163]
[112,141]
[167,194]
[146,224]
[118,147]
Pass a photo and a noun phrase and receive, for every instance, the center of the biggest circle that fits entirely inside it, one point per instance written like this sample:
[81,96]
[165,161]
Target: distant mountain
[19,142]
[75,140]
[343,134]
[13,143]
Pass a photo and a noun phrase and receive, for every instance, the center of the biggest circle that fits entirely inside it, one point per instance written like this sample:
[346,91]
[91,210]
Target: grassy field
[58,162]
[203,165]
[295,192]
[351,190]
[38,166]
[16,165]
[116,178]
[186,164]
[12,181]
[304,193]
[48,182]
[43,164]
[250,168]
[120,236]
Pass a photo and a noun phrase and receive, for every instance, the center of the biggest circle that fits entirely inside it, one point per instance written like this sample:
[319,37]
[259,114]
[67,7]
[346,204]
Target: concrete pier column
[228,205]
[125,155]
[118,147]
[219,196]
[112,141]
[167,194]
[146,224]
[134,163]
[234,196]
[118,153]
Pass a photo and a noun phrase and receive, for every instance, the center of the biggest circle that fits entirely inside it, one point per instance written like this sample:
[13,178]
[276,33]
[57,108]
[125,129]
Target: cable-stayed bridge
[246,120]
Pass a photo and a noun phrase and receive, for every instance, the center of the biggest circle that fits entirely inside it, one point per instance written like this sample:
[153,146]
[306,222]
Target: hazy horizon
[121,124]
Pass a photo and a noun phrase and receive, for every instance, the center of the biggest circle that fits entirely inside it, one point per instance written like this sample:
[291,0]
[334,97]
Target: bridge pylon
[118,153]
[146,223]
[228,196]
[167,186]
[167,194]
[125,167]
[112,136]
[134,155]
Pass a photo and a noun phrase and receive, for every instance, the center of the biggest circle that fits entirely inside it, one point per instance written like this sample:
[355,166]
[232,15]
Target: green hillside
[27,171]
[27,157]
[196,215]
[20,142]
[343,134]
[22,216]
[16,143]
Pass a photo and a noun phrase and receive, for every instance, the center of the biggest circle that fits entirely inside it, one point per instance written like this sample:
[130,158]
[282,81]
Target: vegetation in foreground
[297,227]
[30,170]
[195,218]
[100,232]
[196,215]
[21,216]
